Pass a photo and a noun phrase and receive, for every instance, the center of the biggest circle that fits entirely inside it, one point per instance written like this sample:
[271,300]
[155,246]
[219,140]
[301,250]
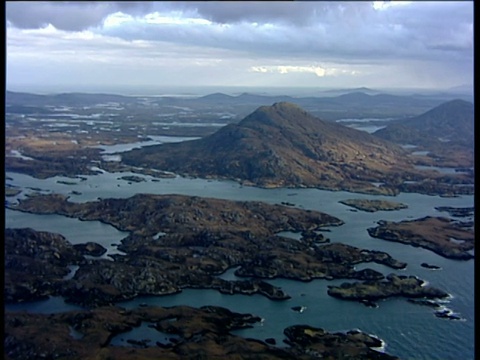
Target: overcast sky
[82,45]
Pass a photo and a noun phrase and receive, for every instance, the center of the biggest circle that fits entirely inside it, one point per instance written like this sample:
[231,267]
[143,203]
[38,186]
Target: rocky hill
[282,145]
[452,122]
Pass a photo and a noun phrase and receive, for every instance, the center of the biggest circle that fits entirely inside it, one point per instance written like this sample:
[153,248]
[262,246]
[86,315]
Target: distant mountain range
[64,99]
[451,122]
[354,103]
[282,145]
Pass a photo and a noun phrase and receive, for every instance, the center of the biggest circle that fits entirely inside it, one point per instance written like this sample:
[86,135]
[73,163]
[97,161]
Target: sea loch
[410,331]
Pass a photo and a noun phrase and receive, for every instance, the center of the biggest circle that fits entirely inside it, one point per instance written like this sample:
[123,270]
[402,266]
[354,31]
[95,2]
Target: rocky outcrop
[457,211]
[430,266]
[90,248]
[35,261]
[319,343]
[393,285]
[201,239]
[442,185]
[105,282]
[199,333]
[440,235]
[132,178]
[373,205]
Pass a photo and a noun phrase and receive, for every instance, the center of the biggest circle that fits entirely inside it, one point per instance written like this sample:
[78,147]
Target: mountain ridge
[451,121]
[282,145]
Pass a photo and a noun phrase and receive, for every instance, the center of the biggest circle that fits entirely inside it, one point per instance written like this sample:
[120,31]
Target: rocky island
[12,190]
[193,333]
[456,211]
[373,205]
[198,243]
[393,285]
[443,236]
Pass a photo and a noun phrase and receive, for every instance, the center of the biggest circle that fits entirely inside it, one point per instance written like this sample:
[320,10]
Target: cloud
[347,30]
[317,41]
[68,15]
[80,15]
[317,70]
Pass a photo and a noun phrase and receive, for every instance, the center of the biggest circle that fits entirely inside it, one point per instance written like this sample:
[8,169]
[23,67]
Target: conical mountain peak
[282,113]
[281,145]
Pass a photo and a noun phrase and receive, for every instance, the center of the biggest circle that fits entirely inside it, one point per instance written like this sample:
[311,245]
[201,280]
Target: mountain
[452,121]
[64,99]
[462,89]
[244,98]
[356,103]
[281,145]
[337,92]
[215,97]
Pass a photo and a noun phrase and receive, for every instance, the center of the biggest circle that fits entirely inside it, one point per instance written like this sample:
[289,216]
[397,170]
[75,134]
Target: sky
[82,45]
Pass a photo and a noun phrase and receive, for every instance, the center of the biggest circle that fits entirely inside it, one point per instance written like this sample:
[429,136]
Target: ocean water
[410,331]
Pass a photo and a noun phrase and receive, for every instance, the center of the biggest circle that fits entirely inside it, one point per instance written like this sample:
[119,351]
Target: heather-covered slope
[282,145]
[451,122]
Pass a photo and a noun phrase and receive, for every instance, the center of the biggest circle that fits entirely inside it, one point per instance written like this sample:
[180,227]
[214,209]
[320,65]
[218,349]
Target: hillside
[282,145]
[452,121]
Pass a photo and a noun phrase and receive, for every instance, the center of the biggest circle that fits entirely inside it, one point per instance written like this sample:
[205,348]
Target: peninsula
[448,238]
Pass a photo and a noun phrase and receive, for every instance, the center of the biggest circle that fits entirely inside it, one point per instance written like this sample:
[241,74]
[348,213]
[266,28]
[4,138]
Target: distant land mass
[451,122]
[64,99]
[283,145]
[348,90]
[348,103]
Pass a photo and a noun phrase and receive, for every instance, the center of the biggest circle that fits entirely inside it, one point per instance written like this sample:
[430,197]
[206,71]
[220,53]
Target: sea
[409,331]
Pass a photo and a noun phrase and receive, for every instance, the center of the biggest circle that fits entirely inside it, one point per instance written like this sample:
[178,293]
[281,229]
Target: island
[443,236]
[12,190]
[430,266]
[457,211]
[201,239]
[373,205]
[393,285]
[191,333]
[132,178]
